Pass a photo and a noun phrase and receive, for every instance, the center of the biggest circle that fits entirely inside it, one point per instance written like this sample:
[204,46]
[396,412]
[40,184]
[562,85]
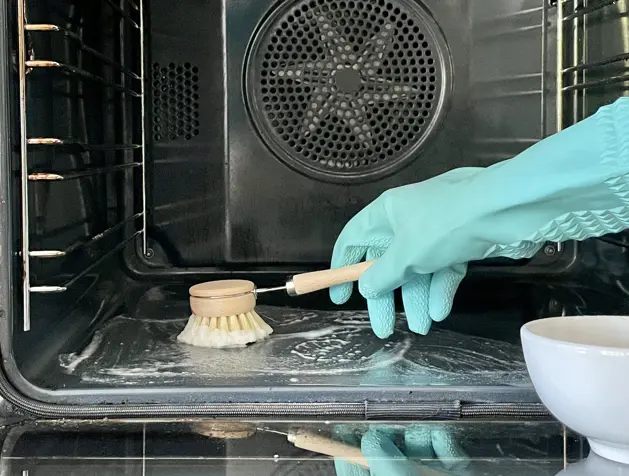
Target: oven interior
[153,144]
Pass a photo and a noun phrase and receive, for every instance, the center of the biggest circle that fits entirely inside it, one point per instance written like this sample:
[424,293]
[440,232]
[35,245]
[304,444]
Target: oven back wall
[261,155]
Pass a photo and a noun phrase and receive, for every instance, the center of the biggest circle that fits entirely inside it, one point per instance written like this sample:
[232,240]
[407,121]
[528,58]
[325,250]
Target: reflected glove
[570,186]
[385,458]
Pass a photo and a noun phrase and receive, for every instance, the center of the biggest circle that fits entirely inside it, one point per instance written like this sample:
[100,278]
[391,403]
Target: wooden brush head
[227,297]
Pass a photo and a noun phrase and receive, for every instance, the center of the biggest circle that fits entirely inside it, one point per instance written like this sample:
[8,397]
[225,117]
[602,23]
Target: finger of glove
[448,450]
[384,458]
[341,293]
[443,288]
[416,298]
[343,468]
[386,274]
[381,309]
[348,435]
[418,442]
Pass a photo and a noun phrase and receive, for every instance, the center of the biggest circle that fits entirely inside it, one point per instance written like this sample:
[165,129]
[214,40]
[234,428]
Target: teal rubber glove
[570,186]
[418,442]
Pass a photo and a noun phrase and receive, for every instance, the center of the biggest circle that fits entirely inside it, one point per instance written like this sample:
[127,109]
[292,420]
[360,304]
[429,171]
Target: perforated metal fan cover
[347,90]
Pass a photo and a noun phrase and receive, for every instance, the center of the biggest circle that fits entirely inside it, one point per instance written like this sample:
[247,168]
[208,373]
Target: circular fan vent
[347,90]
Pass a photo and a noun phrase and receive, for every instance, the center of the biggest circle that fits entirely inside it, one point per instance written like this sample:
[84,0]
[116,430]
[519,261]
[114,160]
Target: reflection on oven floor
[186,448]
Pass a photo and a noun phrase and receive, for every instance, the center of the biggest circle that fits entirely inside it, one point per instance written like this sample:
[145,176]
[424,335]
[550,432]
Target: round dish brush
[223,313]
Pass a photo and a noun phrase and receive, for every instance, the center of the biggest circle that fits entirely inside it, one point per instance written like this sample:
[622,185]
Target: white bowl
[594,465]
[580,369]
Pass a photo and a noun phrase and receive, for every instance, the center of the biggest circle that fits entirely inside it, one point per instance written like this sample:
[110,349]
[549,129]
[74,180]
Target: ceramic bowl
[594,465]
[580,369]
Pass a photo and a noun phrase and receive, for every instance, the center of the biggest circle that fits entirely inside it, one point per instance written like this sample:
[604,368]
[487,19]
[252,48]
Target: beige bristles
[224,331]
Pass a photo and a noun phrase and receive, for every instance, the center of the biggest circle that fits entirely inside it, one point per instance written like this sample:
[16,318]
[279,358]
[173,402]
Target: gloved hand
[418,442]
[570,186]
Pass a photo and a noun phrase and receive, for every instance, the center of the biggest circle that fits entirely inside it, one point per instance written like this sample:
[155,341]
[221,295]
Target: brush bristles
[224,331]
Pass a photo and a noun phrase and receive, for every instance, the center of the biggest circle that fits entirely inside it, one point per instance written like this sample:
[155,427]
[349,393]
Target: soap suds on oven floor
[334,348]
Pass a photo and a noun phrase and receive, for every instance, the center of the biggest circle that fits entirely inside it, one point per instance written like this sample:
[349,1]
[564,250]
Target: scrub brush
[223,313]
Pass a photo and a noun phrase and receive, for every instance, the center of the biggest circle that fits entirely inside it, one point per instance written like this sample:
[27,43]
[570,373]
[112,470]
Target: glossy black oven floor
[334,348]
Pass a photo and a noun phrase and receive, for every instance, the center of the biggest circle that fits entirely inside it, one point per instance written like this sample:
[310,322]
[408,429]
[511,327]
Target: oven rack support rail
[132,13]
[571,69]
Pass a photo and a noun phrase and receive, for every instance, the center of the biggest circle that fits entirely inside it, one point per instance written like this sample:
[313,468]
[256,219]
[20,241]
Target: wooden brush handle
[310,282]
[326,446]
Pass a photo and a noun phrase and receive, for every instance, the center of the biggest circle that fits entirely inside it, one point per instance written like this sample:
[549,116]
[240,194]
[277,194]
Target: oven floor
[320,348]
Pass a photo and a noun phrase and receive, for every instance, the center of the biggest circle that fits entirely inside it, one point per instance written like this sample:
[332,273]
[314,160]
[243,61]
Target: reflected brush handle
[335,449]
[326,446]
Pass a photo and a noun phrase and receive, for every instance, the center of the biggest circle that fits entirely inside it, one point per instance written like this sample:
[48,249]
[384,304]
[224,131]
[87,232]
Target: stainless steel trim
[580,12]
[598,64]
[576,47]
[598,83]
[46,254]
[26,273]
[77,174]
[76,277]
[71,69]
[54,141]
[51,28]
[122,13]
[559,66]
[270,290]
[542,84]
[133,4]
[26,63]
[290,288]
[145,250]
[255,292]
[48,289]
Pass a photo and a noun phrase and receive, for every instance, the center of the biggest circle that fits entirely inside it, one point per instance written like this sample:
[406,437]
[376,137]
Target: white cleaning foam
[71,361]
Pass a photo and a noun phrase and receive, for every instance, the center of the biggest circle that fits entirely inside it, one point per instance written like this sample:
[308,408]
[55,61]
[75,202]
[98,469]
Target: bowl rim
[525,331]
